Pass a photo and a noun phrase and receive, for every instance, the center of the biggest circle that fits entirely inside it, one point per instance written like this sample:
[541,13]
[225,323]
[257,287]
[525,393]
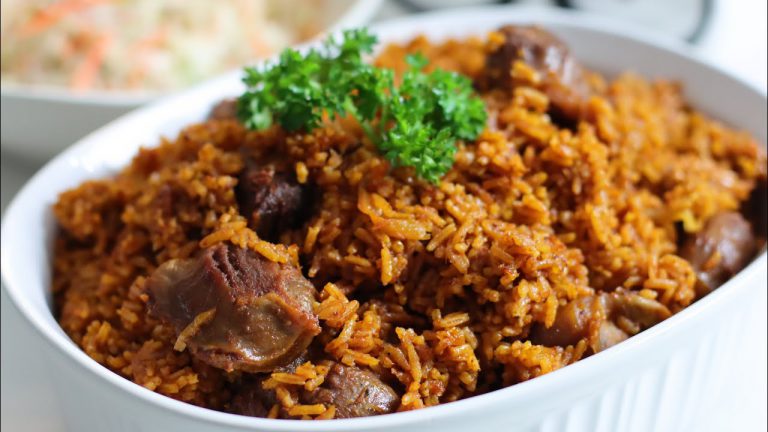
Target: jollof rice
[435,287]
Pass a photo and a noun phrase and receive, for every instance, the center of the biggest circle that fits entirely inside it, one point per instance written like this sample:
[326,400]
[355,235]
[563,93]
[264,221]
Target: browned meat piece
[571,322]
[251,399]
[224,110]
[634,313]
[563,79]
[608,335]
[719,250]
[756,210]
[615,316]
[234,309]
[355,393]
[272,201]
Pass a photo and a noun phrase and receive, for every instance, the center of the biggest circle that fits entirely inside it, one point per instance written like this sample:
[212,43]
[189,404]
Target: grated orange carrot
[86,73]
[47,17]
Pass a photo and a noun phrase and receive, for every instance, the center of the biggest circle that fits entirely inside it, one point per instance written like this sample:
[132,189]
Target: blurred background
[64,67]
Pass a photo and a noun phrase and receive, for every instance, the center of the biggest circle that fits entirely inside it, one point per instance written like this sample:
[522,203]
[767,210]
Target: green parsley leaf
[414,124]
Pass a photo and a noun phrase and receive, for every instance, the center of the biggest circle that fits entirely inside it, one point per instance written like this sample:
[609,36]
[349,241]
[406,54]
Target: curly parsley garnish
[415,123]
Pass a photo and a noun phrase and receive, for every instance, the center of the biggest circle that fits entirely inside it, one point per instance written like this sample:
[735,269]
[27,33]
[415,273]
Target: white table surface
[28,403]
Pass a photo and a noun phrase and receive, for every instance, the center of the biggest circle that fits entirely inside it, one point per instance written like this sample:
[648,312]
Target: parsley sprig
[415,123]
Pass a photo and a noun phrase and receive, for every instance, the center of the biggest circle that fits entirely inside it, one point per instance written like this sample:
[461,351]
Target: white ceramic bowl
[39,121]
[664,379]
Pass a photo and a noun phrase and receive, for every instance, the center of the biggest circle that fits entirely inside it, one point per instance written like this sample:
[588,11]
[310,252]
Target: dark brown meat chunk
[615,316]
[251,399]
[571,322]
[756,210]
[224,110]
[608,335]
[717,252]
[272,201]
[355,393]
[563,79]
[234,309]
[638,313]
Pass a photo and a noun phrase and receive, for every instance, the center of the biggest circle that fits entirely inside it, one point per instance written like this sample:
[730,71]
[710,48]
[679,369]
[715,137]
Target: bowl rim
[512,394]
[359,12]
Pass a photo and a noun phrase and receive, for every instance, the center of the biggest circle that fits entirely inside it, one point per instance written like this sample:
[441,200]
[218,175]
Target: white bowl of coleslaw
[66,71]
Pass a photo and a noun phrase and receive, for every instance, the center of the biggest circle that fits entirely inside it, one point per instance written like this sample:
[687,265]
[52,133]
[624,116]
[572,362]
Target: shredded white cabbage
[140,44]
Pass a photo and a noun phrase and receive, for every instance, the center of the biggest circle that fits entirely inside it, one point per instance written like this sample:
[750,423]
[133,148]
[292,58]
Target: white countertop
[737,42]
